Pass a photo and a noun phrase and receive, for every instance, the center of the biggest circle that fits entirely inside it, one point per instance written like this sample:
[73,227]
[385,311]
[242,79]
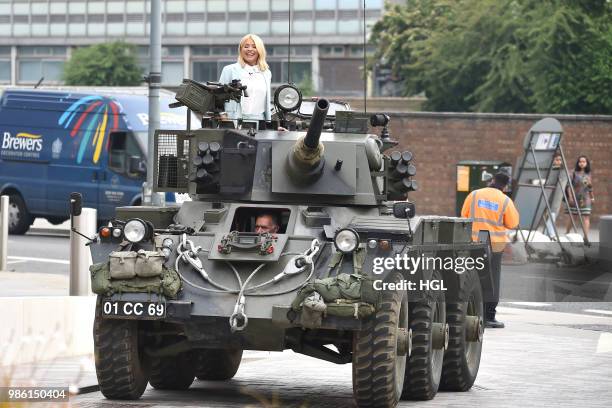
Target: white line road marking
[604,345]
[16,262]
[606,312]
[47,260]
[534,304]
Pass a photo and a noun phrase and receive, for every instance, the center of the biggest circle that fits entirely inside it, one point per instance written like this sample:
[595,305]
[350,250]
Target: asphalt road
[541,359]
[39,254]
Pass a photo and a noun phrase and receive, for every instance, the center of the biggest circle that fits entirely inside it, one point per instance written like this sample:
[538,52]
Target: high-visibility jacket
[491,210]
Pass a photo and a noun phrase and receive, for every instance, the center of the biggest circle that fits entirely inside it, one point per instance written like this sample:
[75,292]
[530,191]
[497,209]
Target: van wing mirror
[76,204]
[136,165]
[404,209]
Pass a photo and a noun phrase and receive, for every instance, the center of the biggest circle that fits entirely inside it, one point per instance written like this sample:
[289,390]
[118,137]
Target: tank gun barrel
[305,162]
[316,123]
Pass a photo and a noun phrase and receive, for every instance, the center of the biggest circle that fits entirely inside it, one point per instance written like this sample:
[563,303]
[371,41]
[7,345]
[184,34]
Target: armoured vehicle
[300,239]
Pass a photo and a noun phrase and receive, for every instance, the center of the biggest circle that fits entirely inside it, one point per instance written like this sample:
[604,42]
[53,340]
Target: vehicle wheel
[465,320]
[218,364]
[57,220]
[119,355]
[378,369]
[429,339]
[173,372]
[19,216]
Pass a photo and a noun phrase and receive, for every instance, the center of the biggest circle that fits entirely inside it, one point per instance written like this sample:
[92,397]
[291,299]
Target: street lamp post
[154,81]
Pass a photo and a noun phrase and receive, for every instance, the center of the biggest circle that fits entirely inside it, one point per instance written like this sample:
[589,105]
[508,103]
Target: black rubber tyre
[217,364]
[57,220]
[120,364]
[424,367]
[173,373]
[19,216]
[378,372]
[462,358]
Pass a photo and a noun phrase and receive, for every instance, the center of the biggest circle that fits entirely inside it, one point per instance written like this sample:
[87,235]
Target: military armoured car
[183,290]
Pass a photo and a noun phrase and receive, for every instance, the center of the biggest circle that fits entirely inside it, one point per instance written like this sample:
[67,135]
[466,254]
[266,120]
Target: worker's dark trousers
[492,298]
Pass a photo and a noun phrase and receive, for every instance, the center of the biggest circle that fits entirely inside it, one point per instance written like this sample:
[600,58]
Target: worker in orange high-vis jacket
[492,210]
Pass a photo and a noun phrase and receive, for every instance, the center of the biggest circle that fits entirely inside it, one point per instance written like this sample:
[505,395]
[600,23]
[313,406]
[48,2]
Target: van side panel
[56,142]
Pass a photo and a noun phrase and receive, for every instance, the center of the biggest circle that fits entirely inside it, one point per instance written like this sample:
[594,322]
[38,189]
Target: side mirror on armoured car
[76,204]
[404,209]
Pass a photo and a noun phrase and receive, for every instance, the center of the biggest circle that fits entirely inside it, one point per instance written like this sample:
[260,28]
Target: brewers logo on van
[22,145]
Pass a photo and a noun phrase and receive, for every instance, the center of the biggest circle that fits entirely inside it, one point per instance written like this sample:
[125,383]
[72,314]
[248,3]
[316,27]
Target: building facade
[199,37]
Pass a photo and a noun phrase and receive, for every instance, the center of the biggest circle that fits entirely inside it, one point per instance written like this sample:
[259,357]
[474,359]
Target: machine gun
[208,99]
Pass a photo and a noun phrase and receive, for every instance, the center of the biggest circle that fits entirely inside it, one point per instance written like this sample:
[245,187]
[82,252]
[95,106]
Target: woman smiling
[253,71]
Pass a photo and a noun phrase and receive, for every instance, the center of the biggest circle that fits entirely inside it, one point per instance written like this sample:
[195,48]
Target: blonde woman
[253,71]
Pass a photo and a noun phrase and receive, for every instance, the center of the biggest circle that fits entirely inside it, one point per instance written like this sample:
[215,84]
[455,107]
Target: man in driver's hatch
[266,223]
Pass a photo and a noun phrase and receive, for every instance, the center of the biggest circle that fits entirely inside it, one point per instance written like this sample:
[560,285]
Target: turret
[305,161]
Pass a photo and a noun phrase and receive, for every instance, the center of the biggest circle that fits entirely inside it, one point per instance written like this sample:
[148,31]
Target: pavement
[43,227]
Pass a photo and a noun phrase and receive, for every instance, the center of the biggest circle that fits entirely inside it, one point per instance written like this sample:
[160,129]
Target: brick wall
[440,140]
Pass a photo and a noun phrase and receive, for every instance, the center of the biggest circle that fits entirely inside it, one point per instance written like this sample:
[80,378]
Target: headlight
[287,97]
[346,240]
[135,230]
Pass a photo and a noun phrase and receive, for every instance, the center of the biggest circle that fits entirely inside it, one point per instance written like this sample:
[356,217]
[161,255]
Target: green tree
[550,56]
[306,86]
[107,64]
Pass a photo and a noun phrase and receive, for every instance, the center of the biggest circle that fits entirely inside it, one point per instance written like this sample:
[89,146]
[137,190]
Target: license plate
[144,310]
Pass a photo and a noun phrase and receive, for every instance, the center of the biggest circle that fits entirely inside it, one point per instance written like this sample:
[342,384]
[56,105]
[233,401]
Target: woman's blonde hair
[261,49]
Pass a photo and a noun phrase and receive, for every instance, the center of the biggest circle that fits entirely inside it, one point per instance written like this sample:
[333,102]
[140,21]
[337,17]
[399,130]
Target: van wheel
[217,365]
[19,216]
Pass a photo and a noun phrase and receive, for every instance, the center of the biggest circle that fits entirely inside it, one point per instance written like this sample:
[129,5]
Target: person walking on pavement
[495,212]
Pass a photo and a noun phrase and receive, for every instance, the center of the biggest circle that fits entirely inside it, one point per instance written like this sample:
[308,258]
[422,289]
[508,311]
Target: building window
[349,4]
[325,4]
[33,70]
[5,64]
[37,62]
[221,51]
[172,73]
[374,4]
[174,51]
[332,51]
[260,5]
[300,70]
[206,71]
[303,5]
[5,70]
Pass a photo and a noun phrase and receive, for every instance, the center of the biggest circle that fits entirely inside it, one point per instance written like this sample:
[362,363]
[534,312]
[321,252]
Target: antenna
[289,47]
[365,74]
[39,82]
